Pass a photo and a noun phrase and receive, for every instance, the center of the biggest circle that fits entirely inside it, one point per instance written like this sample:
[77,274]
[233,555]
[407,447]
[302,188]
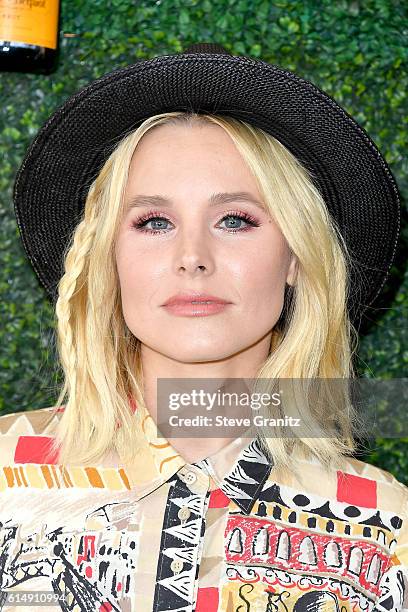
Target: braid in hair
[76,263]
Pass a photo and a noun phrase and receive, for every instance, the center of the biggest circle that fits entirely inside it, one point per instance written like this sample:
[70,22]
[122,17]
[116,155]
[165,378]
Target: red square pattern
[207,600]
[356,490]
[218,499]
[34,449]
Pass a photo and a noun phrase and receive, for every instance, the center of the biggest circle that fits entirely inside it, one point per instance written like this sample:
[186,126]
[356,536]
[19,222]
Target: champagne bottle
[29,35]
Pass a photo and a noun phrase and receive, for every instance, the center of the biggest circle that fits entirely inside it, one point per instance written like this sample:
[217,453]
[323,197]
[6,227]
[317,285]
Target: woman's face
[196,248]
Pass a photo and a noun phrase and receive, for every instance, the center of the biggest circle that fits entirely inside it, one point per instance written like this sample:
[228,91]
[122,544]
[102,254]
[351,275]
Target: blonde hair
[101,361]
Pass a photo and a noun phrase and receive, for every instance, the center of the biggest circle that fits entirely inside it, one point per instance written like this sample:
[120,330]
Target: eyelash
[138,224]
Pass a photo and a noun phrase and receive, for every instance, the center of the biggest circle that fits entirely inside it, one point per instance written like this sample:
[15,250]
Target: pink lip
[186,309]
[187,298]
[181,305]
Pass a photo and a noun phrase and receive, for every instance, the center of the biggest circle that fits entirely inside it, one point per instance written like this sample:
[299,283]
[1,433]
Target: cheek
[261,278]
[129,274]
[131,265]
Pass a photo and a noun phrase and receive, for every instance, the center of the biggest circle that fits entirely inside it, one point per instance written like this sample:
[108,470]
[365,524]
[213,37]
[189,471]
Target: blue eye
[238,217]
[141,223]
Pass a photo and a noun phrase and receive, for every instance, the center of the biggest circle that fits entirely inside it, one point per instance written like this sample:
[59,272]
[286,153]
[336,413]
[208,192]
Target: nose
[194,251]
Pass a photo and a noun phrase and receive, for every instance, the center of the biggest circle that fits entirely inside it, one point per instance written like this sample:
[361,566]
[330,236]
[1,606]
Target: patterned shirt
[229,533]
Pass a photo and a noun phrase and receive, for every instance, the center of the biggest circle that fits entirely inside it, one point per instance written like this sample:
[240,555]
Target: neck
[223,376]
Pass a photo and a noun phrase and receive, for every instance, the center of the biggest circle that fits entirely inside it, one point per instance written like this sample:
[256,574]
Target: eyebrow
[215,199]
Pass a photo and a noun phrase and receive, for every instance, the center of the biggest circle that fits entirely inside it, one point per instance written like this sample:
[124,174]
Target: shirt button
[176,566]
[184,513]
[190,477]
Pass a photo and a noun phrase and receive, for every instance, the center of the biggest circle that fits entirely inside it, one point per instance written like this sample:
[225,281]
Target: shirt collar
[240,468]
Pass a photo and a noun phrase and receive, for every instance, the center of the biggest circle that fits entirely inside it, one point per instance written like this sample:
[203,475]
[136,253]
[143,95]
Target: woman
[98,508]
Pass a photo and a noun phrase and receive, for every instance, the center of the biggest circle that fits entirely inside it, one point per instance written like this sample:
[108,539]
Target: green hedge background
[353,50]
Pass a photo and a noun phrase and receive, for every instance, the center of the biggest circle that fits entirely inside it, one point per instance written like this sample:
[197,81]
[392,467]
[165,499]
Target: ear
[292,270]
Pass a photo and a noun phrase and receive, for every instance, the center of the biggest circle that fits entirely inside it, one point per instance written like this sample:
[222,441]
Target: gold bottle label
[34,22]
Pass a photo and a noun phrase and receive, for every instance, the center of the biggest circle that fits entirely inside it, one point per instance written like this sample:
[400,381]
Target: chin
[192,354]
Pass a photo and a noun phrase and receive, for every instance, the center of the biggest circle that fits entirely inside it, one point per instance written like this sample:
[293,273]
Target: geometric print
[317,521]
[252,540]
[180,548]
[245,481]
[281,544]
[393,595]
[276,589]
[228,533]
[312,504]
[32,476]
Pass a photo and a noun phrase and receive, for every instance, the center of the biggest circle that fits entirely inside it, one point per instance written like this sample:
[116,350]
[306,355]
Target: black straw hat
[69,150]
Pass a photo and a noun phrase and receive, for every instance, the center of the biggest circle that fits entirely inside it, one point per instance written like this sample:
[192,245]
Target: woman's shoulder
[362,478]
[25,429]
[354,487]
[354,500]
[374,479]
[28,421]
[382,503]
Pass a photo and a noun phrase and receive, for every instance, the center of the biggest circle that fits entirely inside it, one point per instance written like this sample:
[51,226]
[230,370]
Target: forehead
[175,154]
[175,163]
[184,138]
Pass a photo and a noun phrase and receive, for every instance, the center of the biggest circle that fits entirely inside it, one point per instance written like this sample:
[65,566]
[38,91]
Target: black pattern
[180,541]
[244,483]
